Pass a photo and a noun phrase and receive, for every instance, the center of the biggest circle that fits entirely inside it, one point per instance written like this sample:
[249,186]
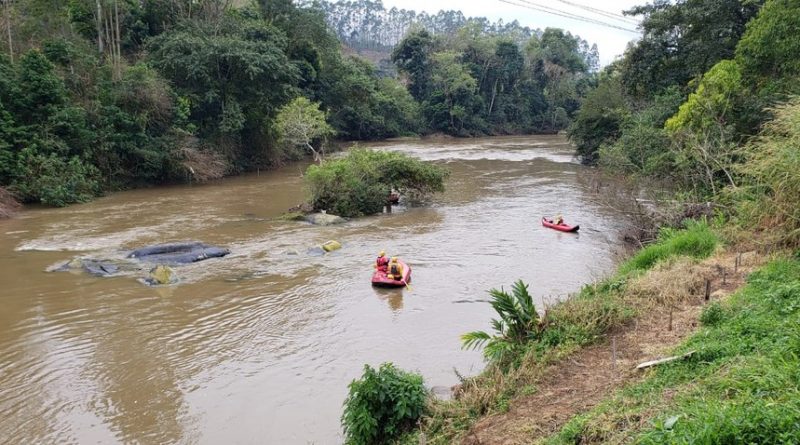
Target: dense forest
[99,95]
[684,101]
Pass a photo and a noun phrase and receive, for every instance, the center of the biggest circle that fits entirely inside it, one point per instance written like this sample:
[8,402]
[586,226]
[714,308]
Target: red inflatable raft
[380,279]
[562,227]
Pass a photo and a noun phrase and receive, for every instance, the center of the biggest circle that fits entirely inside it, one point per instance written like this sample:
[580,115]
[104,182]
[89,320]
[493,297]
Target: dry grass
[8,204]
[203,165]
[669,283]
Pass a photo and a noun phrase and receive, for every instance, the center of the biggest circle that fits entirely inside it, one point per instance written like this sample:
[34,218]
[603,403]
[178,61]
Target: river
[259,347]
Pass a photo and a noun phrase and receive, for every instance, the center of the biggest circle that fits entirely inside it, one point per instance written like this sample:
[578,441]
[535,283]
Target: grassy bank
[662,274]
[741,386]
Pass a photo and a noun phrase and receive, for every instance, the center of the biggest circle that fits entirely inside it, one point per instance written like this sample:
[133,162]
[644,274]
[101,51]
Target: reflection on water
[259,347]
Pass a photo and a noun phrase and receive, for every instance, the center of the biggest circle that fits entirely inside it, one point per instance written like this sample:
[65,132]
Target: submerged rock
[324,219]
[100,268]
[316,251]
[178,253]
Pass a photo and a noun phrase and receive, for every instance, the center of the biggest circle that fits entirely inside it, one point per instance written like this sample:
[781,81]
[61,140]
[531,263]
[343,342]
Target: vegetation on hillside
[109,94]
[740,386]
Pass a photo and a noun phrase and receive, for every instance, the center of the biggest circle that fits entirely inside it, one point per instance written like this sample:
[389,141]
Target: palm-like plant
[518,323]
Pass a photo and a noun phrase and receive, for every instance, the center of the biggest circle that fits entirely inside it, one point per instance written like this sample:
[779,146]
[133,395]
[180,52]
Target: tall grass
[741,386]
[696,241]
[769,200]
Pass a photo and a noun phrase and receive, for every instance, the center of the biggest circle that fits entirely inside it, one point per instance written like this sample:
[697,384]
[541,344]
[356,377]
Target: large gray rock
[178,253]
[100,268]
[324,219]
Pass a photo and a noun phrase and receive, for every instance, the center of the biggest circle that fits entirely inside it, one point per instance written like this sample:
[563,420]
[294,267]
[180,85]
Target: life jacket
[395,269]
[382,262]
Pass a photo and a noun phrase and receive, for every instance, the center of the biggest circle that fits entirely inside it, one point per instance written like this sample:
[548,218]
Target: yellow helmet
[394,259]
[381,253]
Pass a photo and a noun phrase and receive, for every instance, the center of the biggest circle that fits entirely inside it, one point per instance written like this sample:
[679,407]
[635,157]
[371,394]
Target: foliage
[772,186]
[359,183]
[600,118]
[518,323]
[382,405]
[682,40]
[740,386]
[643,147]
[697,241]
[300,123]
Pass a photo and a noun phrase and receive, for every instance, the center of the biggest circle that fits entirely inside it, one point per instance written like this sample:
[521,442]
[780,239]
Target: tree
[413,58]
[682,40]
[300,123]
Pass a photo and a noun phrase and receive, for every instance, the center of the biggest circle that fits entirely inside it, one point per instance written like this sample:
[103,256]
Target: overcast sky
[610,42]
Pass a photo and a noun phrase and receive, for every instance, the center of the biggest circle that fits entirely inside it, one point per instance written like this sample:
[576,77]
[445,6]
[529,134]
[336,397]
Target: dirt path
[581,381]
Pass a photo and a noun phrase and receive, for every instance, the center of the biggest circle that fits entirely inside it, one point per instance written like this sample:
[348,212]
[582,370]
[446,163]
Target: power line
[569,15]
[572,15]
[611,15]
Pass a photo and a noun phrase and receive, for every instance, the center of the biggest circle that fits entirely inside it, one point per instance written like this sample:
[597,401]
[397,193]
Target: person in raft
[395,270]
[382,263]
[558,220]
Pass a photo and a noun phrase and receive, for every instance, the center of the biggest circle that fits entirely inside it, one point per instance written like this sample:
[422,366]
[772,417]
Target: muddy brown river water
[258,347]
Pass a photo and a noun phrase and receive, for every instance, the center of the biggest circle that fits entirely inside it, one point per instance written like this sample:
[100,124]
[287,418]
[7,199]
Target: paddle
[407,286]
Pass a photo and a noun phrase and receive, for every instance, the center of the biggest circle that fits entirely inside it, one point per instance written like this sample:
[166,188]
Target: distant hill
[371,30]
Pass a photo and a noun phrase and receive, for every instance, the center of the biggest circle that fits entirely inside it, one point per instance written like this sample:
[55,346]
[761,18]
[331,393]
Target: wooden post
[670,319]
[614,354]
[708,289]
[724,276]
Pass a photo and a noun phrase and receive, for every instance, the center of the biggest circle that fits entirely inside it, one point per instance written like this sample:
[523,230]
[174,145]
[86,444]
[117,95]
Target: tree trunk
[100,48]
[494,94]
[118,39]
[8,29]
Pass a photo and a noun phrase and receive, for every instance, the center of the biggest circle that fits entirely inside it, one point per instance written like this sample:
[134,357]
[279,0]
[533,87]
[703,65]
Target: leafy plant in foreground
[382,404]
[518,323]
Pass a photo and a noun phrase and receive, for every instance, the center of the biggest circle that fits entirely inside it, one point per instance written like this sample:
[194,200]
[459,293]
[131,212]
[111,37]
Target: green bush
[55,181]
[359,183]
[697,241]
[382,405]
[518,323]
[712,314]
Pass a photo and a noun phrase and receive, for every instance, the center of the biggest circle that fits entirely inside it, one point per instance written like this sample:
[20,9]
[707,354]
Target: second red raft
[562,227]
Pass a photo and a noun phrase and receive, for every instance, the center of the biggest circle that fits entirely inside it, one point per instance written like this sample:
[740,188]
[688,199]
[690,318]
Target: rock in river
[324,219]
[178,253]
[161,275]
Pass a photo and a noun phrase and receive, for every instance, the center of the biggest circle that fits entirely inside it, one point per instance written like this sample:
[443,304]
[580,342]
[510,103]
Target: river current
[258,347]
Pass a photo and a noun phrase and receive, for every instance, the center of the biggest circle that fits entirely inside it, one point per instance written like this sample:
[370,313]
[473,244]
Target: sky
[610,42]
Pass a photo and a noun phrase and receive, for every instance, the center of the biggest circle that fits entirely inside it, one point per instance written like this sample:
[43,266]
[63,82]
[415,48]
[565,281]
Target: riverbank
[591,344]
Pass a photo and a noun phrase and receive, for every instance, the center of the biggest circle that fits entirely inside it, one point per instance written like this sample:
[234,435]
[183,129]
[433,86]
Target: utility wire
[572,15]
[569,15]
[611,15]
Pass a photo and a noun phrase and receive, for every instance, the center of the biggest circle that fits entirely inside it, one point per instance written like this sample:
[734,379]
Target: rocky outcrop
[324,219]
[178,253]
